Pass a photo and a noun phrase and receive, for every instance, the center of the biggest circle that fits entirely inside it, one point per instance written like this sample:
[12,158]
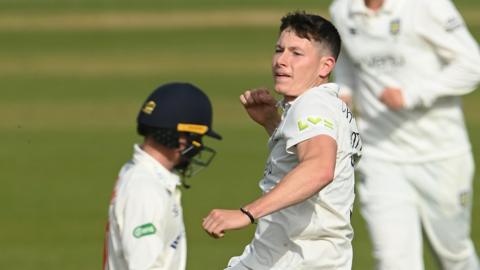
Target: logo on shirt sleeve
[305,123]
[465,198]
[453,23]
[144,230]
[302,125]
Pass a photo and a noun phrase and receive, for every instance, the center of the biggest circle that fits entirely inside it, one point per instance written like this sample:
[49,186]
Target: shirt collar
[389,6]
[169,179]
[359,7]
[329,88]
[284,105]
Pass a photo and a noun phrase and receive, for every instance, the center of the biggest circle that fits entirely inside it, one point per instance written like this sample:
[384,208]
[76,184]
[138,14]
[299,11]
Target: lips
[281,75]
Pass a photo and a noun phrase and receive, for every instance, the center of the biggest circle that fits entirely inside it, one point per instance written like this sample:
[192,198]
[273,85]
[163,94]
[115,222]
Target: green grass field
[72,77]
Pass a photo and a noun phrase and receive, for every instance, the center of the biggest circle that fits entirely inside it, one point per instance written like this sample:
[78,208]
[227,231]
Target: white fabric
[416,162]
[316,233]
[396,205]
[145,193]
[424,48]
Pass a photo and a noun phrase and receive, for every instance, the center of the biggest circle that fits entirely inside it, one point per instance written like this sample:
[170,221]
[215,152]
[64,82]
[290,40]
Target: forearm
[300,184]
[457,79]
[456,47]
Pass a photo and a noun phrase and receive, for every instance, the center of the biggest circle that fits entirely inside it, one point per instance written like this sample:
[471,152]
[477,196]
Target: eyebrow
[295,48]
[289,48]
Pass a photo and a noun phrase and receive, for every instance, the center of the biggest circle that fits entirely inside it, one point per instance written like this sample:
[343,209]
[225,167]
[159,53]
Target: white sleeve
[143,236]
[344,74]
[441,25]
[307,118]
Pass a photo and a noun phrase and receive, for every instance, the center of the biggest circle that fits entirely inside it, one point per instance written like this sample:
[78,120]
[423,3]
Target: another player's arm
[317,157]
[261,106]
[344,75]
[442,26]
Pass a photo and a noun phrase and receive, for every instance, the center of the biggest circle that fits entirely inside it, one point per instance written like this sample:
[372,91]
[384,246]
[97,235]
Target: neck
[374,4]
[320,81]
[289,98]
[165,156]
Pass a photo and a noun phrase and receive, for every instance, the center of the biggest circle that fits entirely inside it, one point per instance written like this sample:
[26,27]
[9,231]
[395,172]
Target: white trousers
[398,200]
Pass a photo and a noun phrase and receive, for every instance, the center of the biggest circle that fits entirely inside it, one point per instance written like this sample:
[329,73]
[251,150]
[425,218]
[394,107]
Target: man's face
[296,65]
[179,160]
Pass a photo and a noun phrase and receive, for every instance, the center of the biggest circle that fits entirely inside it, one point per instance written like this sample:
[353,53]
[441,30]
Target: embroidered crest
[395,27]
[149,107]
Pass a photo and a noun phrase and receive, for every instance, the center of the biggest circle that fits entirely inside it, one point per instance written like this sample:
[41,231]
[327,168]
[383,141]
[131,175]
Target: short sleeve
[344,74]
[308,117]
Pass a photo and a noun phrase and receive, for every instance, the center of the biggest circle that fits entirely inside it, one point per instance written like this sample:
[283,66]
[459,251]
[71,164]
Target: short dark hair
[167,137]
[314,27]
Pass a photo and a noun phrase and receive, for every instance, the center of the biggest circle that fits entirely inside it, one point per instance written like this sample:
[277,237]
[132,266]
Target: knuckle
[216,214]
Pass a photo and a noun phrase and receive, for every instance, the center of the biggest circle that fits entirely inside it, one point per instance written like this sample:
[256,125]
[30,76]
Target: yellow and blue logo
[395,27]
[149,107]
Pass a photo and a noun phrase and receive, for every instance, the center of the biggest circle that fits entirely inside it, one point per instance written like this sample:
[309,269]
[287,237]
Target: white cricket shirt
[422,47]
[314,234]
[146,229]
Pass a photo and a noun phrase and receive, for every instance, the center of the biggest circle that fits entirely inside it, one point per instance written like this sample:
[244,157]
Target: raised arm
[261,106]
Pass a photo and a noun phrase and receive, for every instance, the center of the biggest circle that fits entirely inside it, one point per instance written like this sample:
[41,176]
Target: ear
[327,63]
[182,142]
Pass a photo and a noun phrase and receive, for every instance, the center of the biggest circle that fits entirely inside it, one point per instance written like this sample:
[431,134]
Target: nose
[280,59]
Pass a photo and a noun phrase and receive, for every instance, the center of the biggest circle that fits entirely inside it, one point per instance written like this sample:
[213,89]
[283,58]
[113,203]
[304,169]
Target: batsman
[145,227]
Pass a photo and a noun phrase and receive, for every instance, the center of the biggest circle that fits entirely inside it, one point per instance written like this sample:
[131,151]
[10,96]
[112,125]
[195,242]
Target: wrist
[248,214]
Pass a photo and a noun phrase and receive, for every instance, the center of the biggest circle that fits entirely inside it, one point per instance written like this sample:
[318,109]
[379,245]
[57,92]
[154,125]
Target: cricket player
[406,64]
[308,185]
[145,228]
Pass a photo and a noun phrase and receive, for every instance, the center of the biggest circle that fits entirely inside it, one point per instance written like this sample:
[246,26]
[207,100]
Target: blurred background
[73,74]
